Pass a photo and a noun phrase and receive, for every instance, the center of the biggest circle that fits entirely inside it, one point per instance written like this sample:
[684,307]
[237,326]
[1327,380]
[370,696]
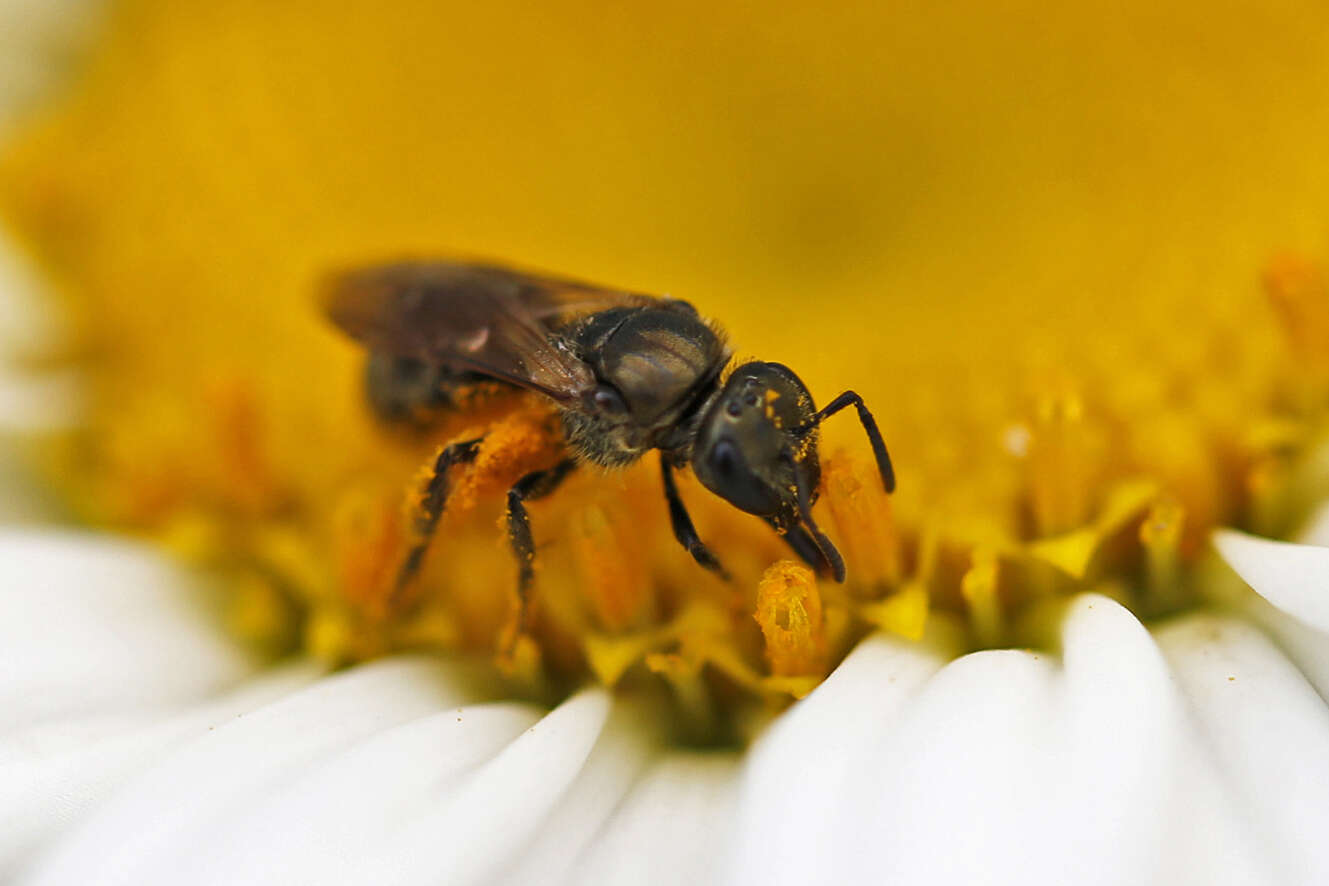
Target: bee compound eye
[726,472]
[609,401]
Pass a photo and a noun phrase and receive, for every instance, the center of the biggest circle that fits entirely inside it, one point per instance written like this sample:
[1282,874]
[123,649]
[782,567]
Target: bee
[626,372]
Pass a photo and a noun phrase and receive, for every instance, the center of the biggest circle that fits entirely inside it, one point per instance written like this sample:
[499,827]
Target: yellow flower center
[1062,334]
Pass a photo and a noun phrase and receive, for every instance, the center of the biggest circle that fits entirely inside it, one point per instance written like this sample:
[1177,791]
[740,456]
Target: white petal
[470,794]
[94,625]
[998,767]
[29,400]
[165,821]
[52,773]
[497,819]
[1141,800]
[628,740]
[675,826]
[1307,647]
[103,641]
[1316,530]
[340,819]
[1293,577]
[1002,767]
[954,785]
[36,39]
[1270,732]
[797,776]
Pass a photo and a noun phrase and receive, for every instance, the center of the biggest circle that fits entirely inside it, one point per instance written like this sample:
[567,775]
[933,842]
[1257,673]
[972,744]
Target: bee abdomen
[411,391]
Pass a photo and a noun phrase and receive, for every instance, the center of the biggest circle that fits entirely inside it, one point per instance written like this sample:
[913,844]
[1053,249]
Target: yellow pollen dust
[1066,409]
[789,612]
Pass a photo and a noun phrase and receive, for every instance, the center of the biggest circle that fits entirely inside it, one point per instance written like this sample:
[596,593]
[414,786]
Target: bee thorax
[595,439]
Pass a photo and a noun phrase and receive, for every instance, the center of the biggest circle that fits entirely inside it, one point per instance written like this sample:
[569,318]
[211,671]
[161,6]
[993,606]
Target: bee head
[756,448]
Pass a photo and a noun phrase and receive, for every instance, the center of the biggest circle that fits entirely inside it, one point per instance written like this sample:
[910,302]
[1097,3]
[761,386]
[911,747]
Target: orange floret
[1299,292]
[861,511]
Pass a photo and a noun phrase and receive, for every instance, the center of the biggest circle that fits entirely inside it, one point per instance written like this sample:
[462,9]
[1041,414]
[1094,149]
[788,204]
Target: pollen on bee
[516,444]
[789,613]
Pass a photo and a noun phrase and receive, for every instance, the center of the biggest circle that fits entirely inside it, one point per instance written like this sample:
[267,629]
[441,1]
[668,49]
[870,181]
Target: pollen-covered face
[756,447]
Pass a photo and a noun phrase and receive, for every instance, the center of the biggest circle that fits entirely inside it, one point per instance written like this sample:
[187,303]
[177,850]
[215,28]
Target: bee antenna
[849,398]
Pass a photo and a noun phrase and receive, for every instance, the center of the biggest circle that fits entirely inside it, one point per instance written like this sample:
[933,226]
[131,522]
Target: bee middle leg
[533,486]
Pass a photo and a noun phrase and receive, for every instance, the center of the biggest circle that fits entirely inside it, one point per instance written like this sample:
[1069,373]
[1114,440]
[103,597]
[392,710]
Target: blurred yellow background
[912,199]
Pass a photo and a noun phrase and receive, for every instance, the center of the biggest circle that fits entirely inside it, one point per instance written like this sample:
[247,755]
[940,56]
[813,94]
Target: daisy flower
[1073,260]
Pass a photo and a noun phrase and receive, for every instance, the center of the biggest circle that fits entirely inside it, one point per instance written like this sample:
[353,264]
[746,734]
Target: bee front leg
[433,498]
[684,531]
[533,486]
[814,549]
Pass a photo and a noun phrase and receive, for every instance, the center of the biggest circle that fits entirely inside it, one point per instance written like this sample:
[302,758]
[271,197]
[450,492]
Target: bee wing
[478,318]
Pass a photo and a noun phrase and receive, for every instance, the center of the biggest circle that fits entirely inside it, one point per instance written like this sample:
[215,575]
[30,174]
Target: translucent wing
[478,318]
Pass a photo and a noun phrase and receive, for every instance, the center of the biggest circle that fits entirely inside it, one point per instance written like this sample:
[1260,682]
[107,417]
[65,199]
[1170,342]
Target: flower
[141,747]
[1062,469]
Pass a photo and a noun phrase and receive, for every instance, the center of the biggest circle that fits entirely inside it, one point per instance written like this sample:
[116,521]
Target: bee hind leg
[433,499]
[531,487]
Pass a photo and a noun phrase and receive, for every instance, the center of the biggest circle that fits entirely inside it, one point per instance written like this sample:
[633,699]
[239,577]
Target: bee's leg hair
[433,499]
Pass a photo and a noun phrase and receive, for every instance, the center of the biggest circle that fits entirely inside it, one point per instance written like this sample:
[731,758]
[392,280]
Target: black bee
[627,372]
